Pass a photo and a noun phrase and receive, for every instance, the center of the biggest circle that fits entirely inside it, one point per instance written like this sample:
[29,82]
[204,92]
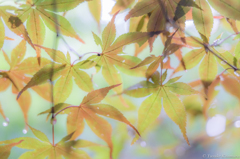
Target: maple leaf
[121,5]
[228,8]
[17,75]
[169,48]
[43,148]
[88,110]
[233,24]
[160,15]
[37,13]
[14,23]
[154,62]
[180,11]
[66,71]
[2,34]
[151,107]
[208,66]
[112,50]
[95,9]
[6,149]
[139,24]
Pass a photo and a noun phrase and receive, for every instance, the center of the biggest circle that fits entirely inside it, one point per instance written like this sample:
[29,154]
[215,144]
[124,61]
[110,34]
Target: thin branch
[218,44]
[51,74]
[161,81]
[69,48]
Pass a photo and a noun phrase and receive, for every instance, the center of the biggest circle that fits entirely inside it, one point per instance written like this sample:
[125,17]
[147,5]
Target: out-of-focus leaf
[42,76]
[208,69]
[231,85]
[2,34]
[42,148]
[211,94]
[233,25]
[95,9]
[17,75]
[121,5]
[141,8]
[154,64]
[6,149]
[97,96]
[180,10]
[203,19]
[59,5]
[228,8]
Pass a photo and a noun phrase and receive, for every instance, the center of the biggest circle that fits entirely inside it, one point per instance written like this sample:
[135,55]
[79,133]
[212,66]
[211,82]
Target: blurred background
[216,135]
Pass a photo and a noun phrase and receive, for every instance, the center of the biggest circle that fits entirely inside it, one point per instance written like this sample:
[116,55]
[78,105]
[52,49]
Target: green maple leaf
[64,85]
[40,12]
[111,54]
[42,147]
[151,107]
[64,69]
[203,21]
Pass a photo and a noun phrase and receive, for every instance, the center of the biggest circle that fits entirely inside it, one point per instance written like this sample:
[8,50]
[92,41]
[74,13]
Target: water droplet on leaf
[237,74]
[165,59]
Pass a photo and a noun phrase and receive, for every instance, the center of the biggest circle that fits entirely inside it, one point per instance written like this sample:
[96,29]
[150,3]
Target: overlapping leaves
[43,148]
[66,70]
[88,110]
[151,107]
[17,76]
[111,54]
[40,12]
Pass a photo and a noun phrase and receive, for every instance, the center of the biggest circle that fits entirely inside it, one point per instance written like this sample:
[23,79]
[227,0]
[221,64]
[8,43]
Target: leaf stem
[69,48]
[51,75]
[217,44]
[53,134]
[64,109]
[161,71]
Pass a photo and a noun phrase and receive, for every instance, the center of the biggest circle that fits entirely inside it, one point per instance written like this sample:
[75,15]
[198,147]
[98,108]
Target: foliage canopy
[50,71]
